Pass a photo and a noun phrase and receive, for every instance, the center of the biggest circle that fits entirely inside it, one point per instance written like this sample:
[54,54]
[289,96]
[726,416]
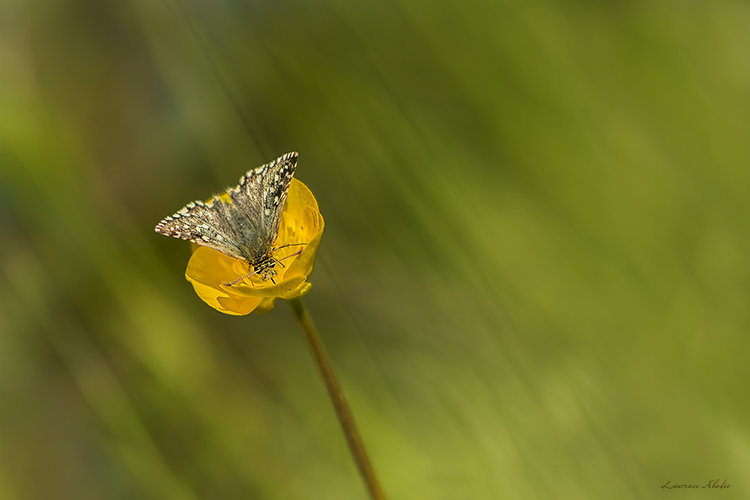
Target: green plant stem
[346,419]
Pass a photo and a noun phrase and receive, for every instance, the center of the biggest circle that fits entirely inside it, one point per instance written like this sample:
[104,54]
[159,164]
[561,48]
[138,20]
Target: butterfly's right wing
[261,195]
[206,224]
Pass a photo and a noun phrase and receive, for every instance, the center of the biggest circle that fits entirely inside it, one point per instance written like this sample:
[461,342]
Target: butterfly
[245,227]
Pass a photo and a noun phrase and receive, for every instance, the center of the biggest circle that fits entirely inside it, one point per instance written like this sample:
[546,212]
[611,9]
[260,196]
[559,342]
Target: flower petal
[214,296]
[265,306]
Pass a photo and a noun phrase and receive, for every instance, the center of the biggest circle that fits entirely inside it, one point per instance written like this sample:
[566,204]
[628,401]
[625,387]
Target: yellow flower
[210,271]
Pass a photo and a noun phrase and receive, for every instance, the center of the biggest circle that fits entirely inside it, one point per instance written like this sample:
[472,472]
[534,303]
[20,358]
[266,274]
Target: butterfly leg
[288,245]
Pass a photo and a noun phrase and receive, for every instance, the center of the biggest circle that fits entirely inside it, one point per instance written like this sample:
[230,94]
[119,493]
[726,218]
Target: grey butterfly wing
[261,195]
[208,224]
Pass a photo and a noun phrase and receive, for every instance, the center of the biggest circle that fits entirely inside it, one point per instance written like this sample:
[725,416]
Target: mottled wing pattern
[261,195]
[207,224]
[245,228]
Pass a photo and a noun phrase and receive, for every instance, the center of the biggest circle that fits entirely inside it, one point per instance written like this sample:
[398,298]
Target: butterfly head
[265,268]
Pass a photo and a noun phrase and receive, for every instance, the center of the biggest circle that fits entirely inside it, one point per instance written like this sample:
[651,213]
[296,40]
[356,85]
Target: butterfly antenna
[240,279]
[278,261]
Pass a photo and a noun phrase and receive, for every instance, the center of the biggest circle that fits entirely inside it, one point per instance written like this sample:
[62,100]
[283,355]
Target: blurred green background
[533,282]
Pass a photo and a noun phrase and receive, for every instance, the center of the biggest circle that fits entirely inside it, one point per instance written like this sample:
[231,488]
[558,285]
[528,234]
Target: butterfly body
[245,225]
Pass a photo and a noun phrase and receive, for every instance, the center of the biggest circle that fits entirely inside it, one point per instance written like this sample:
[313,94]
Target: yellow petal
[265,306]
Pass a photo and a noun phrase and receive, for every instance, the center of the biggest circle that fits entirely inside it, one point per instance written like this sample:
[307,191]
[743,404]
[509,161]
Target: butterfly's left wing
[208,224]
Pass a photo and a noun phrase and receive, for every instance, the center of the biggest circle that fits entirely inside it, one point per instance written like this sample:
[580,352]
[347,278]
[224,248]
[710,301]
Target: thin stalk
[344,413]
